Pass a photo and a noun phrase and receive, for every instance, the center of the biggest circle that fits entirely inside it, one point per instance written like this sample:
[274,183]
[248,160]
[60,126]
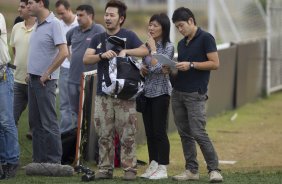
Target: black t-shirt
[196,50]
[132,41]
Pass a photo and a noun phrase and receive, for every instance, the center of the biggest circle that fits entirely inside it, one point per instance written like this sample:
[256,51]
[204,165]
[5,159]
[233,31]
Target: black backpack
[121,79]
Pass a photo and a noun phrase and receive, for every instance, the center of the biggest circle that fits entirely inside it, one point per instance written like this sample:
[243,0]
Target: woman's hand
[144,70]
[166,69]
[151,43]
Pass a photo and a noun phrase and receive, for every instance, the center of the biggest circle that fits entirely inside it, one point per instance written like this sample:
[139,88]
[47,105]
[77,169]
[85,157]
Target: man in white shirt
[68,20]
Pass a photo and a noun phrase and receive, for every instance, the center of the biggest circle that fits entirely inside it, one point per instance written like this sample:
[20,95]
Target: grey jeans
[190,119]
[20,99]
[66,123]
[74,93]
[46,137]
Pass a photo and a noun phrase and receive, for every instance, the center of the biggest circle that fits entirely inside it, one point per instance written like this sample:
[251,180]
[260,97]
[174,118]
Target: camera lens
[87,177]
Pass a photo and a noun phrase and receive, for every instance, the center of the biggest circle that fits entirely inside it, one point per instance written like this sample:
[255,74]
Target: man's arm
[14,51]
[61,56]
[69,53]
[211,64]
[90,57]
[137,52]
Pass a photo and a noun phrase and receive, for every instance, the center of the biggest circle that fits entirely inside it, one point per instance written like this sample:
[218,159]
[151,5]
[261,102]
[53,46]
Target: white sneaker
[150,170]
[215,177]
[161,173]
[186,175]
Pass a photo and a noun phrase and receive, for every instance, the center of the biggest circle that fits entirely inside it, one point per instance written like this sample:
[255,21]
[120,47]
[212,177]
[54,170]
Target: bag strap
[105,68]
[116,89]
[103,40]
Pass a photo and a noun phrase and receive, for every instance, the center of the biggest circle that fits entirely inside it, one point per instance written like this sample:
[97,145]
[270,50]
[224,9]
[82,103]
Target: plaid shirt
[157,83]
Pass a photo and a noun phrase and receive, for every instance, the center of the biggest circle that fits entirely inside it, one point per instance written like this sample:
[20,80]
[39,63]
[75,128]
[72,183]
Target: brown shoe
[103,175]
[129,175]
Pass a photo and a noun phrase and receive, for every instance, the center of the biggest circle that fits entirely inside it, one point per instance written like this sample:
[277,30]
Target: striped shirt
[157,83]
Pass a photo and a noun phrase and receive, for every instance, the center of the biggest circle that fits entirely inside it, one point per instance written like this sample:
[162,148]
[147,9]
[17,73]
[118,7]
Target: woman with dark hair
[157,92]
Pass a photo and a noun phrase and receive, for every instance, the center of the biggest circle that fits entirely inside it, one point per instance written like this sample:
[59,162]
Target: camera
[87,177]
[88,174]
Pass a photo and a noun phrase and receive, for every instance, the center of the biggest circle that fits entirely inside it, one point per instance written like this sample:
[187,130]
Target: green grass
[254,177]
[253,139]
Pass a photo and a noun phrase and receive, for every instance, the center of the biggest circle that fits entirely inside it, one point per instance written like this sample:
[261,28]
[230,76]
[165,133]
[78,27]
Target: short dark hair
[121,6]
[24,1]
[183,14]
[163,20]
[88,8]
[45,2]
[18,19]
[65,3]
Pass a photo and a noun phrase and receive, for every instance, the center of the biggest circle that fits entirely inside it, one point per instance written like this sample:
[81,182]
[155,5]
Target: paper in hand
[163,59]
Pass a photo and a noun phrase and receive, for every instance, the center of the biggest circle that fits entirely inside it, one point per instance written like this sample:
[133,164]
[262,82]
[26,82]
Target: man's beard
[112,26]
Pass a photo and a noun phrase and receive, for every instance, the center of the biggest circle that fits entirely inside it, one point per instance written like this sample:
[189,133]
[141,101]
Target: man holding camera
[114,114]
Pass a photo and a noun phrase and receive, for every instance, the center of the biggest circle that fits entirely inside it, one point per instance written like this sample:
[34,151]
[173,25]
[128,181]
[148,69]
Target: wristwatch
[100,55]
[191,65]
[153,52]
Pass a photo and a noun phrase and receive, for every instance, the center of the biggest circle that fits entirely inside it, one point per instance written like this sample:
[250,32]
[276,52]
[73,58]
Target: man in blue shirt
[112,114]
[78,39]
[47,51]
[197,55]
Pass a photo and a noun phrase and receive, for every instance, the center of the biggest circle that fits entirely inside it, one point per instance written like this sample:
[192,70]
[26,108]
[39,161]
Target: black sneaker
[10,170]
[2,177]
[2,174]
[1,170]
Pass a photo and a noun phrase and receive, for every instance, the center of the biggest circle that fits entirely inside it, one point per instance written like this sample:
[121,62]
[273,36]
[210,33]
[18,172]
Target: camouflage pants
[116,115]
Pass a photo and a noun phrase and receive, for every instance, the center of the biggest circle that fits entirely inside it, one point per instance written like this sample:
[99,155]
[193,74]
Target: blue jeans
[9,146]
[190,119]
[46,136]
[74,92]
[65,109]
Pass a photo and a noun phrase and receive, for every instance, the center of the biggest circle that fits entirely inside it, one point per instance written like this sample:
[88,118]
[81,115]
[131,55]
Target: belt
[34,76]
[9,65]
